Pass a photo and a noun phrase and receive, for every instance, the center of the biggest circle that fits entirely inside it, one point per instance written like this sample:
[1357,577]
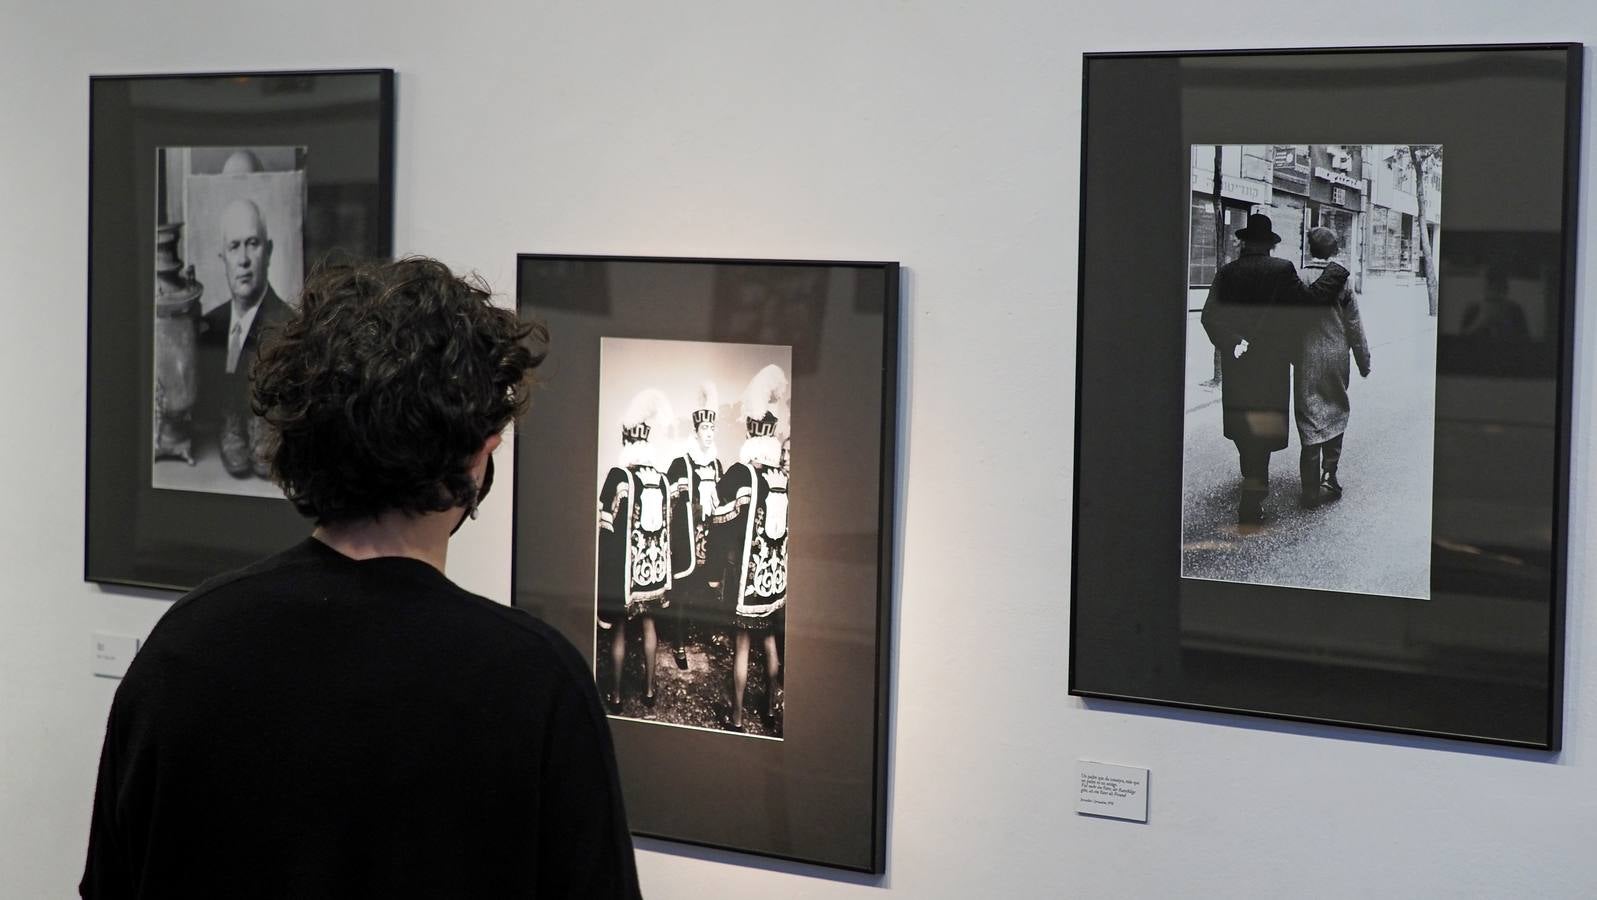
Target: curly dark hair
[389,378]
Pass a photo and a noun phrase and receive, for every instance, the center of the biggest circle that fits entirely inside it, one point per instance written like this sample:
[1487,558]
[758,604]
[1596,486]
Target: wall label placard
[1116,792]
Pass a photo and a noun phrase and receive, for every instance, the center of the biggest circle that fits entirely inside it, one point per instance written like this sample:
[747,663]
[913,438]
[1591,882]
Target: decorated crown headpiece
[648,411]
[709,399]
[765,426]
[762,399]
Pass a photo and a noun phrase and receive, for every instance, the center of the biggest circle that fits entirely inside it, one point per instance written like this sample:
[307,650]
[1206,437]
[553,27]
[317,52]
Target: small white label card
[112,653]
[1118,792]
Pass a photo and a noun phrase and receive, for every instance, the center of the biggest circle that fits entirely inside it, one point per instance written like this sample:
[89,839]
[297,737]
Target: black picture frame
[1481,658]
[342,122]
[819,794]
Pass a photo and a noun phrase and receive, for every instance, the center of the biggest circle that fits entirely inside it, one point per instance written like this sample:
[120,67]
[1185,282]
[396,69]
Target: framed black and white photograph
[692,531]
[704,506]
[211,197]
[1331,484]
[1270,368]
[236,215]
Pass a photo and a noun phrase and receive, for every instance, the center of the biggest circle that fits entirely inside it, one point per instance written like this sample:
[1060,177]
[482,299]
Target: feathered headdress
[762,403]
[709,402]
[645,424]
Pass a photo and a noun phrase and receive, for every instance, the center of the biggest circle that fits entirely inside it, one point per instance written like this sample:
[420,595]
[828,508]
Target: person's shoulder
[215,320]
[214,604]
[1250,263]
[236,578]
[531,640]
[275,307]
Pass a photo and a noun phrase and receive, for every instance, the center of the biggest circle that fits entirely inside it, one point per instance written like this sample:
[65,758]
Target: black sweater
[313,726]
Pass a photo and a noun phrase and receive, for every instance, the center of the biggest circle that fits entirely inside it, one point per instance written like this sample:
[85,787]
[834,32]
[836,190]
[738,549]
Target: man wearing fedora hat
[1252,317]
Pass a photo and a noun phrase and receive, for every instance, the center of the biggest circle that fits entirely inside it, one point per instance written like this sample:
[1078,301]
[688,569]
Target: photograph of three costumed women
[692,532]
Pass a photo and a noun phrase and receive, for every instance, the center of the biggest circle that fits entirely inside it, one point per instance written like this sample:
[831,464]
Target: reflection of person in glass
[634,575]
[1496,317]
[1320,402]
[231,333]
[693,475]
[752,527]
[1251,318]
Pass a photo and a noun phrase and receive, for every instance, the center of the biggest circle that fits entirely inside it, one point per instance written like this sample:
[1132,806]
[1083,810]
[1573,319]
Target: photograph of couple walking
[1306,264]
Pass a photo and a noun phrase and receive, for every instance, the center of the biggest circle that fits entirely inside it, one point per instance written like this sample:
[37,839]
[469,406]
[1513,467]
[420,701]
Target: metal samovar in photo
[177,315]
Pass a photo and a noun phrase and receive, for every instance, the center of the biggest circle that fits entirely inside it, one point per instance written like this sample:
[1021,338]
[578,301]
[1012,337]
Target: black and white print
[693,481]
[1310,402]
[229,261]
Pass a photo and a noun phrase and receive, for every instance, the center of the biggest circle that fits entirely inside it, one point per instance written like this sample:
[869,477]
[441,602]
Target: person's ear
[479,458]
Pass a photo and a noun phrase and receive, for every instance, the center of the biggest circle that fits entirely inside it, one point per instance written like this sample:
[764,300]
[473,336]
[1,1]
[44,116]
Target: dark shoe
[768,719]
[612,704]
[681,657]
[1311,498]
[649,700]
[256,433]
[1251,511]
[1330,487]
[238,456]
[726,723]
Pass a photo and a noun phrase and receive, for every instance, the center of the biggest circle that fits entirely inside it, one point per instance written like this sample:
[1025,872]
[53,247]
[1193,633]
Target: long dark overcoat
[1260,298]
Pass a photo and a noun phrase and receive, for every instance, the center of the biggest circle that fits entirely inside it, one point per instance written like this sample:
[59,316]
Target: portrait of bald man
[230,336]
[239,213]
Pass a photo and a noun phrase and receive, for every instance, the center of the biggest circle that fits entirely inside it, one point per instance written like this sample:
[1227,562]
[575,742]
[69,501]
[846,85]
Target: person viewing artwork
[340,719]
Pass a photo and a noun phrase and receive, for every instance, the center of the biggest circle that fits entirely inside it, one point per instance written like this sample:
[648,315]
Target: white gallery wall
[943,134]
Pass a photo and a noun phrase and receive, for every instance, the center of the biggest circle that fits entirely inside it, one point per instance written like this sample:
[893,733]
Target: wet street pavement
[1376,539]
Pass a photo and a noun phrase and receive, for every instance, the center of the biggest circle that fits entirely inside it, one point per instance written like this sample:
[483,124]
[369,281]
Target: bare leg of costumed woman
[773,668]
[740,675]
[651,643]
[618,657]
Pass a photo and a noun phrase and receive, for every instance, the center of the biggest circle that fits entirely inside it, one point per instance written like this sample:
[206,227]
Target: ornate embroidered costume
[634,570]
[634,549]
[694,497]
[753,521]
[757,517]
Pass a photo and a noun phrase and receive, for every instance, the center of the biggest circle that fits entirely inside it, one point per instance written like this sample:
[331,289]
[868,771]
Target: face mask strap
[482,494]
